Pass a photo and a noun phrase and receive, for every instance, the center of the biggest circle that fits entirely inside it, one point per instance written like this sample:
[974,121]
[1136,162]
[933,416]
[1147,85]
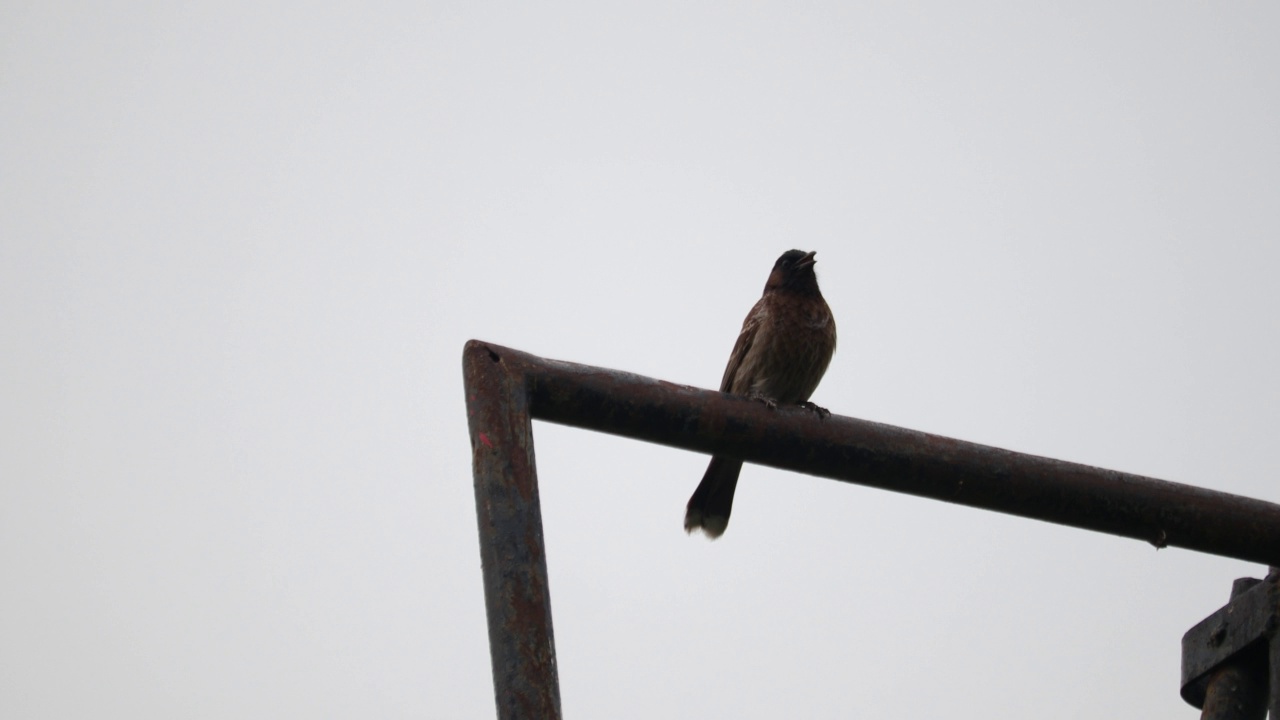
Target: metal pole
[1273,643]
[512,554]
[1237,690]
[892,458]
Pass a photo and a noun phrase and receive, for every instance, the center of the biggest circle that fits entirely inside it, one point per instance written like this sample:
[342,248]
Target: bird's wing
[750,328]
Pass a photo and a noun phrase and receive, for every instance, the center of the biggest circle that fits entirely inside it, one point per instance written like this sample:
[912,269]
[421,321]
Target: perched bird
[782,352]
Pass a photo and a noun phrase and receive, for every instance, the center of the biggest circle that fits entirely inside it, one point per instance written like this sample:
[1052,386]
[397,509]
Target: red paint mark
[485,439]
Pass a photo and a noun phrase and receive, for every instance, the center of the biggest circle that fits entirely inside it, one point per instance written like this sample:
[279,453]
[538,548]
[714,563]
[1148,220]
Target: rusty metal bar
[505,387]
[512,553]
[892,458]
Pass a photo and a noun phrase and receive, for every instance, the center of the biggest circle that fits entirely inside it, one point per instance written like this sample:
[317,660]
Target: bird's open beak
[807,260]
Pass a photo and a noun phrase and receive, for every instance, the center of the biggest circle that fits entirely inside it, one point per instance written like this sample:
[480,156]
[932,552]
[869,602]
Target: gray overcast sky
[242,245]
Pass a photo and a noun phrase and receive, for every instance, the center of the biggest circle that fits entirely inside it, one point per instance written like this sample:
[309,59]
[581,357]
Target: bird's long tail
[711,503]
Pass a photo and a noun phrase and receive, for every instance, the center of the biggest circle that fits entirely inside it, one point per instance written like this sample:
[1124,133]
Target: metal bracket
[1225,656]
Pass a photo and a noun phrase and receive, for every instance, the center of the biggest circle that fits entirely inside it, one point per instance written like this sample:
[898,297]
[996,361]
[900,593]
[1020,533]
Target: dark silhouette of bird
[782,352]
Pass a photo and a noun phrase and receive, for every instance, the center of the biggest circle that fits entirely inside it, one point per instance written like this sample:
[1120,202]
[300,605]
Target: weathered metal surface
[1238,690]
[506,387]
[512,553]
[892,458]
[1273,670]
[1224,657]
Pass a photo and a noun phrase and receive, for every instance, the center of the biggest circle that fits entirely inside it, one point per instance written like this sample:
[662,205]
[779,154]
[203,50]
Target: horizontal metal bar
[892,458]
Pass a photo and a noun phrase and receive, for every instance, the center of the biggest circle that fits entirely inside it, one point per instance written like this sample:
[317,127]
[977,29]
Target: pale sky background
[242,245]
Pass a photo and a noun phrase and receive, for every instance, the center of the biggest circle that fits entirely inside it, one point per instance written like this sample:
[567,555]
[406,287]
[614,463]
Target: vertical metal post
[513,557]
[1237,690]
[1273,643]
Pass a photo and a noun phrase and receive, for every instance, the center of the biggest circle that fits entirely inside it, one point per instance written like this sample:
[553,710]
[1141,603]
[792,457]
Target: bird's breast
[793,348]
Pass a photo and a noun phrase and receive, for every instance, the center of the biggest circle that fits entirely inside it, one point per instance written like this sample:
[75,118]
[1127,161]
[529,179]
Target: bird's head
[794,273]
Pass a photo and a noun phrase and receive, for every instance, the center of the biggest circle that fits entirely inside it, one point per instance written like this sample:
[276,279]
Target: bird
[782,352]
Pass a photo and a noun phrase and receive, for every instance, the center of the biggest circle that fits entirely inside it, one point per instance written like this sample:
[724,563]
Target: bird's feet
[818,410]
[768,401]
